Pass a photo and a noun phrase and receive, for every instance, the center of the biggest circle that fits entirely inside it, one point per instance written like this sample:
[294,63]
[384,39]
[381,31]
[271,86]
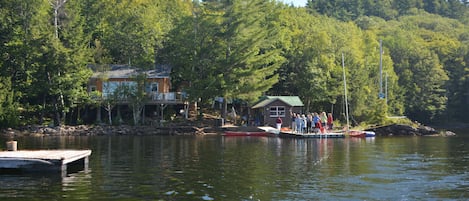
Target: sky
[295,2]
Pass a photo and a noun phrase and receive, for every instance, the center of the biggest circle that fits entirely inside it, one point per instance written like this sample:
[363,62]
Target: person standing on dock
[293,122]
[330,121]
[309,122]
[316,122]
[279,123]
[323,119]
[303,123]
[298,121]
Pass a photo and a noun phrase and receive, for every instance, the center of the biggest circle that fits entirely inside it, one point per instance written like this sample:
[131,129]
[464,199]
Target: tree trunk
[224,108]
[98,114]
[109,113]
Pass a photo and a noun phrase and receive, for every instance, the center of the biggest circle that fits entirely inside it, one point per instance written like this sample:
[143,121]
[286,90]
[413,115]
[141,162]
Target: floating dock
[312,135]
[44,160]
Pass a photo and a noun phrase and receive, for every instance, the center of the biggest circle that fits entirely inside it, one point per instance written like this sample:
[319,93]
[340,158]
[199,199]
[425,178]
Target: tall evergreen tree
[9,114]
[233,51]
[247,69]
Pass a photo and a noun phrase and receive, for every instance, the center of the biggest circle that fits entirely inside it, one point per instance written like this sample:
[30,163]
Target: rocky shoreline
[89,130]
[190,129]
[406,130]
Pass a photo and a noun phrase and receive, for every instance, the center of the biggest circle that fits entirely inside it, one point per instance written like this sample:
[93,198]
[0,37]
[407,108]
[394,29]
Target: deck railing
[169,96]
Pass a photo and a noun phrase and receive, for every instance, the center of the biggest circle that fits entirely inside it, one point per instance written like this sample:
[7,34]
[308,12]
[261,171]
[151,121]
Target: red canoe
[357,134]
[362,134]
[245,133]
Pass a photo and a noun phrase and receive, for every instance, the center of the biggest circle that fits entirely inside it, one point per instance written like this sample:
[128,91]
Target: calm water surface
[251,168]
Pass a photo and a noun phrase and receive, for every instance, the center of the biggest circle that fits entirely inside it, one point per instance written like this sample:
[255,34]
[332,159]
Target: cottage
[269,108]
[157,85]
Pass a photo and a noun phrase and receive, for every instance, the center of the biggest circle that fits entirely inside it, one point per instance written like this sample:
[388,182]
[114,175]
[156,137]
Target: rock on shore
[87,130]
[406,130]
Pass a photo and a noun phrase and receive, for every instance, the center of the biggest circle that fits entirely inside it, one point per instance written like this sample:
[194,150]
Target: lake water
[250,168]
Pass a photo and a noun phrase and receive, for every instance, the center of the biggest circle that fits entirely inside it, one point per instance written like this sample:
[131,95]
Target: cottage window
[154,90]
[109,88]
[277,111]
[154,87]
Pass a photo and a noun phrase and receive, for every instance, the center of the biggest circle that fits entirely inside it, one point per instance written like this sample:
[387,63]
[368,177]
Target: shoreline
[192,128]
[97,130]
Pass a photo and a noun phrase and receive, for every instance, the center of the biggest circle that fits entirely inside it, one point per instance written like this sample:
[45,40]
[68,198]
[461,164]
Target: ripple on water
[207,197]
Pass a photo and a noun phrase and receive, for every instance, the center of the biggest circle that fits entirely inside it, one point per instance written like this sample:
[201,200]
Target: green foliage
[241,50]
[250,59]
[9,115]
[387,9]
[136,96]
[421,54]
[228,51]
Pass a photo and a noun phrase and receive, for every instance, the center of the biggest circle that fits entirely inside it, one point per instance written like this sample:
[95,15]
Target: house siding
[268,120]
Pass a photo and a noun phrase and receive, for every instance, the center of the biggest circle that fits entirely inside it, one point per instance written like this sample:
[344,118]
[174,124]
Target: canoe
[357,134]
[370,134]
[362,134]
[245,133]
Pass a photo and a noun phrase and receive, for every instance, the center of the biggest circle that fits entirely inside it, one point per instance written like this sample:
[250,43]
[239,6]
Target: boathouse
[269,108]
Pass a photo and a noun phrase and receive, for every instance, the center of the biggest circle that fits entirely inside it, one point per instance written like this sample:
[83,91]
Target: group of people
[313,122]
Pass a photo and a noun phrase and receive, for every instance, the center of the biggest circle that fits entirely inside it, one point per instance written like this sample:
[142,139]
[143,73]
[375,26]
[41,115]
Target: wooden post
[12,145]
[86,161]
[63,169]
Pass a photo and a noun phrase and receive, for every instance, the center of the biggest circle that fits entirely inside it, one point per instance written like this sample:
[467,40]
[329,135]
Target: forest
[241,49]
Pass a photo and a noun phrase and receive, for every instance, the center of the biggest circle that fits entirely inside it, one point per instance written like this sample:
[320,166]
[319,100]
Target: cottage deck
[43,160]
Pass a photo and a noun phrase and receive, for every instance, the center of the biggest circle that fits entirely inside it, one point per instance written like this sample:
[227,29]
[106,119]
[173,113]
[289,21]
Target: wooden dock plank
[312,135]
[42,160]
[66,155]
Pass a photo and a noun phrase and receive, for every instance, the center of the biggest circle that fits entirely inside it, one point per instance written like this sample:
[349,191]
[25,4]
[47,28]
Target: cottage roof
[293,101]
[126,71]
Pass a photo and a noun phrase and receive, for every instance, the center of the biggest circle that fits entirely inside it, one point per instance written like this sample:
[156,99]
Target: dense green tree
[8,106]
[387,9]
[313,47]
[405,6]
[310,70]
[250,57]
[232,51]
[132,31]
[121,31]
[76,72]
[61,63]
[191,48]
[420,75]
[22,35]
[240,50]
[458,73]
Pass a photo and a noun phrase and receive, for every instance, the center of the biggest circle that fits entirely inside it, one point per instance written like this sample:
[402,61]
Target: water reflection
[253,168]
[40,186]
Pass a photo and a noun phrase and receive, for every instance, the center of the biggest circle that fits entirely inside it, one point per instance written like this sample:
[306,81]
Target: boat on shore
[245,133]
[356,133]
[250,131]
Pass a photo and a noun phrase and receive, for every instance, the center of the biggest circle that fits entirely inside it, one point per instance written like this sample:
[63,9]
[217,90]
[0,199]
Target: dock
[44,160]
[312,135]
